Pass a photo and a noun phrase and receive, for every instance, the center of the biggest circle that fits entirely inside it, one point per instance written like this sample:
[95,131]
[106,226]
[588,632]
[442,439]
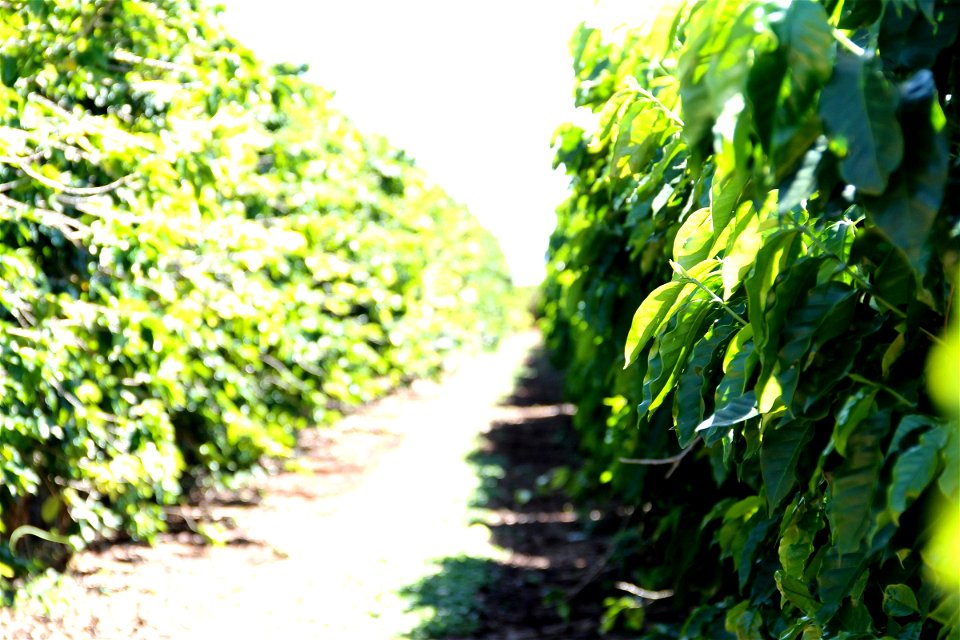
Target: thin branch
[85,192]
[284,372]
[646,594]
[131,58]
[646,93]
[860,279]
[674,461]
[900,398]
[684,274]
[13,184]
[73,230]
[849,44]
[95,20]
[18,160]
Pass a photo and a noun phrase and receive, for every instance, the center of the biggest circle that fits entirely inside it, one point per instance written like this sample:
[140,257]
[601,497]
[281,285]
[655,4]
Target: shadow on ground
[552,581]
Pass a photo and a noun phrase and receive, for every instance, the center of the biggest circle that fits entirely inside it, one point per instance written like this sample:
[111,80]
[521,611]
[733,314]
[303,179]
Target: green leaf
[751,546]
[854,484]
[796,538]
[693,384]
[913,470]
[796,593]
[780,450]
[905,212]
[670,352]
[778,315]
[859,109]
[906,426]
[9,73]
[894,278]
[650,315]
[694,239]
[836,579]
[658,307]
[899,601]
[712,65]
[808,50]
[745,621]
[854,410]
[776,254]
[826,312]
[735,411]
[741,252]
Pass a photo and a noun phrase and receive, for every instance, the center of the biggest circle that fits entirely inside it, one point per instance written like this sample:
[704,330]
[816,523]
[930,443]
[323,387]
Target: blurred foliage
[762,227]
[198,257]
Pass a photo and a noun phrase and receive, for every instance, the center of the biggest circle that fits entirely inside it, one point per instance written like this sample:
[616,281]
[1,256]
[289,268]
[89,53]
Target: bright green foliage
[198,257]
[755,261]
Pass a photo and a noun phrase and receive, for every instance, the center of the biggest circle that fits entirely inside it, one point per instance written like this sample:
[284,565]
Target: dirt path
[372,538]
[325,552]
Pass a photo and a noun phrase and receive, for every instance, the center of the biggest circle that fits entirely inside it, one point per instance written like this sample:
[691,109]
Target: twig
[849,44]
[684,274]
[72,230]
[284,372]
[95,20]
[646,594]
[646,93]
[18,160]
[860,279]
[29,530]
[85,192]
[131,58]
[13,184]
[602,563]
[672,460]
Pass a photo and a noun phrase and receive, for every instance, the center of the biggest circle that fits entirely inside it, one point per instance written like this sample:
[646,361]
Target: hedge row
[198,257]
[763,228]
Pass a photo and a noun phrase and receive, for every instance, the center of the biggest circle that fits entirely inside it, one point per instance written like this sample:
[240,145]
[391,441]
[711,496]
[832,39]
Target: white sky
[471,90]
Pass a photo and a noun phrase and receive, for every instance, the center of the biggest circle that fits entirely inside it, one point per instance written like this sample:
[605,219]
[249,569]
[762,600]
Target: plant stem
[683,273]
[860,279]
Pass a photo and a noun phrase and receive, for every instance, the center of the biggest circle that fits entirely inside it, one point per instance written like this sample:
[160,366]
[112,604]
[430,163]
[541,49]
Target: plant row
[199,256]
[754,267]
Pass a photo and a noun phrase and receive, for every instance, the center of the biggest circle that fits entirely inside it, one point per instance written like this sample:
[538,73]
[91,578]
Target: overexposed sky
[472,90]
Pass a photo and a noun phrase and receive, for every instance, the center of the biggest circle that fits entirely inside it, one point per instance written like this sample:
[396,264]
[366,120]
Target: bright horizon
[472,92]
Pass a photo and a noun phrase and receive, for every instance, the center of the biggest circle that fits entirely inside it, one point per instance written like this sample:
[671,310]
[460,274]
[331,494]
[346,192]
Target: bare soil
[379,503]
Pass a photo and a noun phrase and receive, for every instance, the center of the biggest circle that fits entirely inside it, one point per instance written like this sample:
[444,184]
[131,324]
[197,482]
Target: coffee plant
[199,256]
[756,260]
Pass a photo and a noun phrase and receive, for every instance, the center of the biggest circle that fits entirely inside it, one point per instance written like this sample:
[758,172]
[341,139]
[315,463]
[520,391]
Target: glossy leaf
[859,107]
[780,451]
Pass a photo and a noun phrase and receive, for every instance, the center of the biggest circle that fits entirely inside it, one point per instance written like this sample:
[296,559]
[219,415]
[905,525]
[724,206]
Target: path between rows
[325,552]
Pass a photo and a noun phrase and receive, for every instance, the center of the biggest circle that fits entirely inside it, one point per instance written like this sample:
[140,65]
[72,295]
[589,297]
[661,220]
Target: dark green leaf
[735,411]
[780,450]
[859,108]
[692,385]
[671,351]
[854,484]
[797,593]
[913,470]
[835,580]
[899,601]
[745,622]
[8,70]
[906,210]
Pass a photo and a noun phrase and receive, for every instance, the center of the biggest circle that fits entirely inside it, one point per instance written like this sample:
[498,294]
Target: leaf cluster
[756,258]
[199,256]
